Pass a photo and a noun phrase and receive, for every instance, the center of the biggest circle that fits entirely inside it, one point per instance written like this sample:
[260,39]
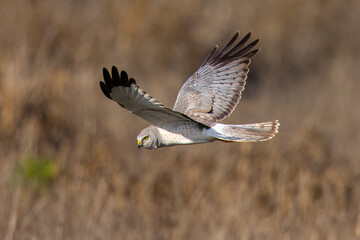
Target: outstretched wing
[213,92]
[127,94]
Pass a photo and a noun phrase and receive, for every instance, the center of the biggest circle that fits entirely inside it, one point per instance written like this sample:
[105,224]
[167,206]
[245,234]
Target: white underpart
[217,129]
[185,133]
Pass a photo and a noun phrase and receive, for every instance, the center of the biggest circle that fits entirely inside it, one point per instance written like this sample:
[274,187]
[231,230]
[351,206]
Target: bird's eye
[146,138]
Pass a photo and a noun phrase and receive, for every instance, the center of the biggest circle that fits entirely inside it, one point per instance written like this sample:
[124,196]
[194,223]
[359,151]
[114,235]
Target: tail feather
[253,132]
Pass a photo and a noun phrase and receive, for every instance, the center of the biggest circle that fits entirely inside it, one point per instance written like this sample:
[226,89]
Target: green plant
[37,171]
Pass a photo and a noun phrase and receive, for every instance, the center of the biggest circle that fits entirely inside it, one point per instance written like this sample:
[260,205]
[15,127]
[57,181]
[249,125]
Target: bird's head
[148,138]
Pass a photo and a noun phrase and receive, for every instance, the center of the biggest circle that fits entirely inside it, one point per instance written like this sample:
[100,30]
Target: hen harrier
[208,96]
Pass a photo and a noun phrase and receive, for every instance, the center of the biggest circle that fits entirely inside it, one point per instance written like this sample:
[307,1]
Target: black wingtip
[236,35]
[132,81]
[255,42]
[107,78]
[114,80]
[252,53]
[125,78]
[105,90]
[106,73]
[229,53]
[116,77]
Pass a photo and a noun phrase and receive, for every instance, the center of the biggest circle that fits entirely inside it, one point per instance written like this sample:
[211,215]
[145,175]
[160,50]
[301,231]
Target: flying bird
[207,97]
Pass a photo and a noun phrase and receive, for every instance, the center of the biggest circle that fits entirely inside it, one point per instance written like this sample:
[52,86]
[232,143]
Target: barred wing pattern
[212,93]
[127,94]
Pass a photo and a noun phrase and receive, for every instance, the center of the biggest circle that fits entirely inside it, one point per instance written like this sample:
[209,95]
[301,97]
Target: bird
[207,97]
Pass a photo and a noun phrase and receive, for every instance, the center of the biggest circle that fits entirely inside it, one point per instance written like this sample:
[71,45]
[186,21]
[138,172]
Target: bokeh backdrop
[69,163]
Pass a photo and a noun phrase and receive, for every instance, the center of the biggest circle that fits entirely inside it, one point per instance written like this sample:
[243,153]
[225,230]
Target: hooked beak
[139,144]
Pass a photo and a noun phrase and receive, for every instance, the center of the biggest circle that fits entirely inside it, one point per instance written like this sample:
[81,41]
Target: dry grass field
[69,164]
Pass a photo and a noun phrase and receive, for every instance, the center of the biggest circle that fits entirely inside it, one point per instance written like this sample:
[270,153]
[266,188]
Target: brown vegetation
[303,184]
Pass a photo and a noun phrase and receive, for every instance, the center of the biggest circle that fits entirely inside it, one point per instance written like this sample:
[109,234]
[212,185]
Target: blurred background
[69,163]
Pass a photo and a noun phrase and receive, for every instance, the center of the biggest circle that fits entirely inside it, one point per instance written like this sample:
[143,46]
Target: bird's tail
[246,132]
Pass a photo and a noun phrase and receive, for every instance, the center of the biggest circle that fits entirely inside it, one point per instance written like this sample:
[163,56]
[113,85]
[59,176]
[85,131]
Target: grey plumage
[213,91]
[208,96]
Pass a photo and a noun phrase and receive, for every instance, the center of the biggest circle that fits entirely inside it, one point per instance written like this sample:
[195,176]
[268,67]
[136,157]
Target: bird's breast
[182,133]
